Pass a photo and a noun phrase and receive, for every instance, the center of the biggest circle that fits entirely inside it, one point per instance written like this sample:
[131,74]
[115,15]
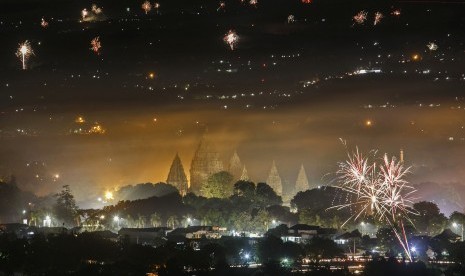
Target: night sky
[289,91]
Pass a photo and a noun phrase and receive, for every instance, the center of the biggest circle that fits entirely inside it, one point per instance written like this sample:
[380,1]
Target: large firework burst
[379,189]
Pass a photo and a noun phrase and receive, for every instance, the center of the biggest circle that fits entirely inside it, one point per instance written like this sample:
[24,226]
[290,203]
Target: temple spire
[244,175]
[301,183]
[235,166]
[274,180]
[206,162]
[177,176]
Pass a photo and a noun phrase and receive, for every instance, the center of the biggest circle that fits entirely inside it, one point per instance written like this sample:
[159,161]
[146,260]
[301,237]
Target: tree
[429,219]
[172,221]
[457,217]
[218,185]
[262,220]
[65,207]
[155,220]
[319,248]
[140,221]
[244,189]
[265,196]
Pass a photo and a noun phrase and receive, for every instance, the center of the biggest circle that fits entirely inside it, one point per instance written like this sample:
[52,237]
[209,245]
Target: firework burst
[378,17]
[432,46]
[307,1]
[24,52]
[84,14]
[253,2]
[156,6]
[43,23]
[96,45]
[147,7]
[231,38]
[360,17]
[379,189]
[396,12]
[290,19]
[97,10]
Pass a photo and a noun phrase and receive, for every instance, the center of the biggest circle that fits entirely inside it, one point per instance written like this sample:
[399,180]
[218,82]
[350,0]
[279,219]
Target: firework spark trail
[96,45]
[221,6]
[360,17]
[378,17]
[396,12]
[380,190]
[24,52]
[231,39]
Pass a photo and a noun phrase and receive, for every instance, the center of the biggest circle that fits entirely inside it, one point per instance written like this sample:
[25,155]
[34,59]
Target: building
[177,176]
[301,233]
[145,236]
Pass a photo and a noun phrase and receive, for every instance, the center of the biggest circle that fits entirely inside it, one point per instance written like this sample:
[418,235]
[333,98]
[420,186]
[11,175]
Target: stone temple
[206,162]
[177,176]
[274,180]
[235,167]
[302,181]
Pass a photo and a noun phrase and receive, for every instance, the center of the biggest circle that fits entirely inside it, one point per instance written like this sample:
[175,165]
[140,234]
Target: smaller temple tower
[177,176]
[274,180]
[301,183]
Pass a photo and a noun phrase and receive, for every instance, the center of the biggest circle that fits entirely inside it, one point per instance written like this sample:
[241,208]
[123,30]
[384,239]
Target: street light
[456,225]
[116,219]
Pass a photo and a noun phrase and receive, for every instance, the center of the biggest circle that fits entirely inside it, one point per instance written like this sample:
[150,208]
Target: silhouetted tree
[65,208]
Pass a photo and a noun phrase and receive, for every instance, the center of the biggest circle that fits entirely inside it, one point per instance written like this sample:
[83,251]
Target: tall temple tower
[235,167]
[244,175]
[301,183]
[206,162]
[274,180]
[177,176]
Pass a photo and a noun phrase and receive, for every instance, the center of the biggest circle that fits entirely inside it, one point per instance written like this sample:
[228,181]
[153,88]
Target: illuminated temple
[274,180]
[206,162]
[177,176]
[235,167]
[301,183]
